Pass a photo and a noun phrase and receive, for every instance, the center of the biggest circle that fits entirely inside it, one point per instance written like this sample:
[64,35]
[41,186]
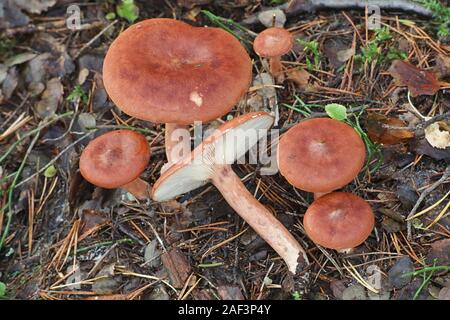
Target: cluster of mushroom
[166,71]
[322,155]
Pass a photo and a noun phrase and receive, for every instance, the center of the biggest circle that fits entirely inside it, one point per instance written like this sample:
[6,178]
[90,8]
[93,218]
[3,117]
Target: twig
[58,26]
[55,158]
[31,132]
[98,35]
[11,190]
[295,7]
[425,193]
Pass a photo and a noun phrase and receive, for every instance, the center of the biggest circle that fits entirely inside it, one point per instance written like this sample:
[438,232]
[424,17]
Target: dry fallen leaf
[300,77]
[439,253]
[51,98]
[422,146]
[92,219]
[387,130]
[20,58]
[229,292]
[419,82]
[35,6]
[177,266]
[442,68]
[437,135]
[9,83]
[337,51]
[11,16]
[268,17]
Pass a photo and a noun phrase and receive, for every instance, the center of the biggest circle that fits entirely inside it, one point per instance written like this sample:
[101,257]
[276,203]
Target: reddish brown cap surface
[320,155]
[164,70]
[339,220]
[115,158]
[273,42]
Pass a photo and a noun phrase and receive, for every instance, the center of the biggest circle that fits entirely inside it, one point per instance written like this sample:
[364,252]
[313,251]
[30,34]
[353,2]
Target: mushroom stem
[259,217]
[317,195]
[138,188]
[275,66]
[177,141]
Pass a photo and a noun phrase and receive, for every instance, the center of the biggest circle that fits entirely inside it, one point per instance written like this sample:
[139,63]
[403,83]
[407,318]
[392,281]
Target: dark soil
[67,239]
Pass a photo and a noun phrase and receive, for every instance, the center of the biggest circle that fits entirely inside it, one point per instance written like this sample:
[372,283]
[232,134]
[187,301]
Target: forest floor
[63,238]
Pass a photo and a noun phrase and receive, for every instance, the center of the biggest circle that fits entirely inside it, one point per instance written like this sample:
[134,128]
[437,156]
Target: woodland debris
[177,266]
[295,7]
[418,81]
[387,130]
[438,135]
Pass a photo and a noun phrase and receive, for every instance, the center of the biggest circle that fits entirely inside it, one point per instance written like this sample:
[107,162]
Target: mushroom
[339,220]
[320,155]
[167,71]
[211,162]
[272,43]
[116,160]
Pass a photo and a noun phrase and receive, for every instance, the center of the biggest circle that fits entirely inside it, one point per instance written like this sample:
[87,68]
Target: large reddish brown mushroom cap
[339,220]
[273,42]
[115,158]
[320,155]
[164,70]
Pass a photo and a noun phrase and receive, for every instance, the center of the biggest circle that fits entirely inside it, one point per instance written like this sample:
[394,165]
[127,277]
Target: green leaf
[77,93]
[2,289]
[296,295]
[128,10]
[417,224]
[110,16]
[336,111]
[50,172]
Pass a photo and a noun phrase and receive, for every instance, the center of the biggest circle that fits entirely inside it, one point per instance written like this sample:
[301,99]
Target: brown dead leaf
[50,99]
[422,146]
[35,6]
[337,52]
[439,253]
[442,68]
[300,77]
[91,219]
[177,266]
[419,82]
[387,130]
[230,293]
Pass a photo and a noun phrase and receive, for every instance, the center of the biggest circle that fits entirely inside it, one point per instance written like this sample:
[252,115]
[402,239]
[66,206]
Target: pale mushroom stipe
[211,162]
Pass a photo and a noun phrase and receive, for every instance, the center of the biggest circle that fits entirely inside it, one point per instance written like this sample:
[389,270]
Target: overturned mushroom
[211,162]
[320,155]
[115,160]
[339,221]
[167,71]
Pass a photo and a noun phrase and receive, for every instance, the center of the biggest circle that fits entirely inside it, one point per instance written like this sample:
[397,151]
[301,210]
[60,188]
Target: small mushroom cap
[164,70]
[273,42]
[320,155]
[115,158]
[227,143]
[339,220]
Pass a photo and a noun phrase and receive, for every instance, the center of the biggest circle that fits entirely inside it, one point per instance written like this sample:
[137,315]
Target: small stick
[98,35]
[425,193]
[295,7]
